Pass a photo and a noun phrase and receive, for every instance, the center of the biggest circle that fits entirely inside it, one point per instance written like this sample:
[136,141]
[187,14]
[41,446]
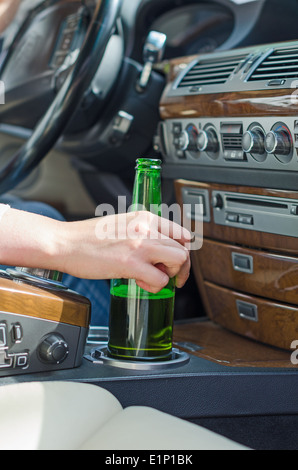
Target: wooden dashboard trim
[53,305]
[272,285]
[228,349]
[276,325]
[239,104]
[270,102]
[275,275]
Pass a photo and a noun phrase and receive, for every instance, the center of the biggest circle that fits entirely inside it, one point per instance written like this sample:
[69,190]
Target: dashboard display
[195,29]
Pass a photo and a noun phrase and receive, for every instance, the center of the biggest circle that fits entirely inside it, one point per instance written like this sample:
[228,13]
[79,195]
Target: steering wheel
[75,84]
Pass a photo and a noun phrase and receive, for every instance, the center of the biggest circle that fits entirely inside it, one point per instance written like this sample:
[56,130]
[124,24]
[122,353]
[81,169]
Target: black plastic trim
[283,180]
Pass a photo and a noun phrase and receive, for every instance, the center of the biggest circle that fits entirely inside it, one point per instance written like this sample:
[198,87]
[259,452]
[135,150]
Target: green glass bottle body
[141,323]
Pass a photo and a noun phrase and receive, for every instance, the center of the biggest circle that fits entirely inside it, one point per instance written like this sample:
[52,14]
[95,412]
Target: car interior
[209,87]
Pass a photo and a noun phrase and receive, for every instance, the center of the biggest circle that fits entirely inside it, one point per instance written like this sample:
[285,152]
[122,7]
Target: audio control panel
[267,143]
[273,215]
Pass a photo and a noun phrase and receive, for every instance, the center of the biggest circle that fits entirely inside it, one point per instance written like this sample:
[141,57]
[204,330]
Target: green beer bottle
[141,323]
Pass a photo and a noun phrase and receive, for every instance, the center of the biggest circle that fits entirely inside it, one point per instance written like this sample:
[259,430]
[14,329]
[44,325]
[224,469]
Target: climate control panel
[263,143]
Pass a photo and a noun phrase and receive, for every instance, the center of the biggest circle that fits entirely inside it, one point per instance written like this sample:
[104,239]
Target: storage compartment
[250,271]
[271,323]
[247,269]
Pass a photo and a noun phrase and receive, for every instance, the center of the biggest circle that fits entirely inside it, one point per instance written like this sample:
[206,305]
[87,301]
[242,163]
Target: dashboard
[235,110]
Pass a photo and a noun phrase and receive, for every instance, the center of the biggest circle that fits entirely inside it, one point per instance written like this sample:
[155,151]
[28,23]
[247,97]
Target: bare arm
[8,9]
[80,249]
[130,246]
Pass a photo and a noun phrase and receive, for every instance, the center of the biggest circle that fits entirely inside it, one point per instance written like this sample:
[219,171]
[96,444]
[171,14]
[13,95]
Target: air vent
[232,135]
[232,142]
[282,64]
[211,72]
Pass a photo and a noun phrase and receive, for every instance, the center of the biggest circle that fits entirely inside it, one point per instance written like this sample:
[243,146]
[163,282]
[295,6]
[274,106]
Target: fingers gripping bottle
[141,323]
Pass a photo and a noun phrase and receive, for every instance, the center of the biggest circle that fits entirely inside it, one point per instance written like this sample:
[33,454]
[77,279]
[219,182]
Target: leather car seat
[76,416]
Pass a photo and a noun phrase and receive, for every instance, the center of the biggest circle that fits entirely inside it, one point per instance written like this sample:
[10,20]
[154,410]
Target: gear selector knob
[152,54]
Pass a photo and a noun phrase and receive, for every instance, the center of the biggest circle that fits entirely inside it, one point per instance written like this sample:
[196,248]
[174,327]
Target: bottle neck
[147,191]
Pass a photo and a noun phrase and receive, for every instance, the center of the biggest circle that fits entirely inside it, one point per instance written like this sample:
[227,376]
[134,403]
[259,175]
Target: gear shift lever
[152,54]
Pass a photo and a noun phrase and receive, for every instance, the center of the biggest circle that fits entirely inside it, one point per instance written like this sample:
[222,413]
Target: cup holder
[98,337]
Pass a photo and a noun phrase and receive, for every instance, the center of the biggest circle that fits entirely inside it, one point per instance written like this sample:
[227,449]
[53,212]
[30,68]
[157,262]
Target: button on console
[21,360]
[177,128]
[3,338]
[246,219]
[17,334]
[5,361]
[232,218]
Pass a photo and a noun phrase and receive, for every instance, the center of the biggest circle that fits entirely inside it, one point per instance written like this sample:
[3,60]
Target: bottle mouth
[148,164]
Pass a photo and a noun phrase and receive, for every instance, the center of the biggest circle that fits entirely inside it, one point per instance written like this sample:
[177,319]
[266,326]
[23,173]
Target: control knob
[207,141]
[278,143]
[217,201]
[254,142]
[183,141]
[53,349]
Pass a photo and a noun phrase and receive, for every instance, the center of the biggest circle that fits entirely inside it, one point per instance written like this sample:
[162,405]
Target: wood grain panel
[273,287]
[277,324]
[242,236]
[239,104]
[228,349]
[274,276]
[55,305]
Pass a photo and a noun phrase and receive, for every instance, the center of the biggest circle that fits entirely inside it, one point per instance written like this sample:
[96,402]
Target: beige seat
[75,416]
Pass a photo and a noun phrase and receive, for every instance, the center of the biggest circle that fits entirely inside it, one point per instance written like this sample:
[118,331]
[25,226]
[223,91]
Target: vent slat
[264,76]
[232,143]
[276,69]
[215,65]
[211,72]
[282,64]
[209,82]
[221,60]
[204,75]
[278,60]
[286,52]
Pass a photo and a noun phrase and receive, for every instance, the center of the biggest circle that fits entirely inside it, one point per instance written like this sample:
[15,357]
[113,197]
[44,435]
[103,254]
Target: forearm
[31,240]
[8,9]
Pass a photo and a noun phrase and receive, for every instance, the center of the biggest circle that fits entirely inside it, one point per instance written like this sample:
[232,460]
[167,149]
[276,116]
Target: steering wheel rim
[53,123]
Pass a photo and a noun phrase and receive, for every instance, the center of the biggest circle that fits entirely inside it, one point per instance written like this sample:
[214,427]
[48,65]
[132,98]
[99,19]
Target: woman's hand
[8,10]
[138,246]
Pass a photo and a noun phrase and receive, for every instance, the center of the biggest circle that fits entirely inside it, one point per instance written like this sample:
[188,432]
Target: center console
[247,269]
[229,137]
